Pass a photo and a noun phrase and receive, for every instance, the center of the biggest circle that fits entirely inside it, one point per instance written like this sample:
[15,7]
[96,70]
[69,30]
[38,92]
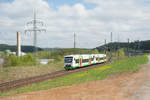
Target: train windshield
[68,59]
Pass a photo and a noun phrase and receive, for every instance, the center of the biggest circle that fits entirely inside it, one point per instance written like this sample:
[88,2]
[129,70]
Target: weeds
[27,60]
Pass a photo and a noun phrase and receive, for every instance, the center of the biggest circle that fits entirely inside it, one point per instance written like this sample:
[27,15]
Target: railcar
[76,61]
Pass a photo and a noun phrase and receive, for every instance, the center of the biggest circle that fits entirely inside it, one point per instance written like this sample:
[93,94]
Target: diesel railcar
[76,61]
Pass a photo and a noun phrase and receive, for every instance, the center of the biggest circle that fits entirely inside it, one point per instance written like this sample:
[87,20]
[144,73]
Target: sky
[91,20]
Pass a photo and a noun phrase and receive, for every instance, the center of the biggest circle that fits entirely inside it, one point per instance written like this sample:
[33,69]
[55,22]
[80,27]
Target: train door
[90,60]
[80,62]
[103,59]
[94,58]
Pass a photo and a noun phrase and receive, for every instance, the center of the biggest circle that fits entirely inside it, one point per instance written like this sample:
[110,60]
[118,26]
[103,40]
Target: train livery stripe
[80,62]
[89,60]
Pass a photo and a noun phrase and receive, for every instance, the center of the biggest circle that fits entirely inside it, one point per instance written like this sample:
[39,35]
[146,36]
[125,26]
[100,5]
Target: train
[78,61]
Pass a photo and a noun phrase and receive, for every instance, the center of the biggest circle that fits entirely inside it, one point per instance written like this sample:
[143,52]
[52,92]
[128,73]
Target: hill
[143,46]
[13,48]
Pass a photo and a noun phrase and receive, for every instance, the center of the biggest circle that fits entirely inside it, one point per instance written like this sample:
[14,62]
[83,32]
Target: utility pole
[128,47]
[111,35]
[37,26]
[105,46]
[74,42]
[139,46]
[118,48]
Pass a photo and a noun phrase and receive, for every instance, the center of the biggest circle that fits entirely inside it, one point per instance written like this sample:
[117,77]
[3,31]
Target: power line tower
[35,27]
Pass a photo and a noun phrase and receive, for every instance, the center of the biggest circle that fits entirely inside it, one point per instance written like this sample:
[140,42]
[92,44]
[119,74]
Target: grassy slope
[98,73]
[19,72]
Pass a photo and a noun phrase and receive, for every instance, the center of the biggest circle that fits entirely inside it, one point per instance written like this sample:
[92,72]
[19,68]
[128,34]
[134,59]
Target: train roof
[85,55]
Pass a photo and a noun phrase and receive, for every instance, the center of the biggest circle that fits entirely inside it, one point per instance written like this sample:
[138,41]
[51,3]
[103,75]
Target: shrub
[59,58]
[20,61]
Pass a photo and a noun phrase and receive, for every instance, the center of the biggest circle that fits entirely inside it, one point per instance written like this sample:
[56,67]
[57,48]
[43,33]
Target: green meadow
[98,73]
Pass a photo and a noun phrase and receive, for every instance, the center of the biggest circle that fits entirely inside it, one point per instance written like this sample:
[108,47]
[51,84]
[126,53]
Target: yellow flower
[103,68]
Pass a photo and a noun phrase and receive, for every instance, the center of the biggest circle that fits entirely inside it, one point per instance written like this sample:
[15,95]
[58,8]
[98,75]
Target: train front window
[68,59]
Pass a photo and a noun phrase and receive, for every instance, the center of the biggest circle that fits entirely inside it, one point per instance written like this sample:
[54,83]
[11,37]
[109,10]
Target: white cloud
[124,17]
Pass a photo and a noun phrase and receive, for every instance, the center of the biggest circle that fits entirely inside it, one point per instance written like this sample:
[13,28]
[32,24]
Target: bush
[44,54]
[20,61]
[59,58]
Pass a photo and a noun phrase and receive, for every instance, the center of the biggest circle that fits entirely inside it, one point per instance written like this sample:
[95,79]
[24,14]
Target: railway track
[28,81]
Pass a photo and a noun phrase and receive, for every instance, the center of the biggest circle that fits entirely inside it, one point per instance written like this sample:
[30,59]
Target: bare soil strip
[127,86]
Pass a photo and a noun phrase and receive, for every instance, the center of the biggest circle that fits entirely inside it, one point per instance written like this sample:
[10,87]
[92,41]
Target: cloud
[126,19]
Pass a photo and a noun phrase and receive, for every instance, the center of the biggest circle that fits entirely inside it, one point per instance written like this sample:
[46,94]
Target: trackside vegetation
[30,60]
[27,60]
[61,52]
[98,73]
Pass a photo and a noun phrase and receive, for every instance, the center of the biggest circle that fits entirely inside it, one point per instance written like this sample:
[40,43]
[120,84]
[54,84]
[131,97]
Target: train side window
[85,60]
[92,59]
[97,58]
[77,60]
[101,58]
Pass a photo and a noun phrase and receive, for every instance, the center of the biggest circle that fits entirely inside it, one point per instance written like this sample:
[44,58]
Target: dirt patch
[122,87]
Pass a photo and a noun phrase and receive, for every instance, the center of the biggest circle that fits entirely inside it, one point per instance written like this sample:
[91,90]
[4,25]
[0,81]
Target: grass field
[98,73]
[19,72]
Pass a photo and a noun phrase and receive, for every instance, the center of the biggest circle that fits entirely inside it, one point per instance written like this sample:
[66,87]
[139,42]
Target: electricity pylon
[35,27]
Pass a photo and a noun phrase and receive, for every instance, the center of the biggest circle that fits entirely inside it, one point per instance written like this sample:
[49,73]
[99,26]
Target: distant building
[8,52]
[22,53]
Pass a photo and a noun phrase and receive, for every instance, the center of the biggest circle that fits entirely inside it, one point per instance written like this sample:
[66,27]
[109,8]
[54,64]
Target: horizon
[72,47]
